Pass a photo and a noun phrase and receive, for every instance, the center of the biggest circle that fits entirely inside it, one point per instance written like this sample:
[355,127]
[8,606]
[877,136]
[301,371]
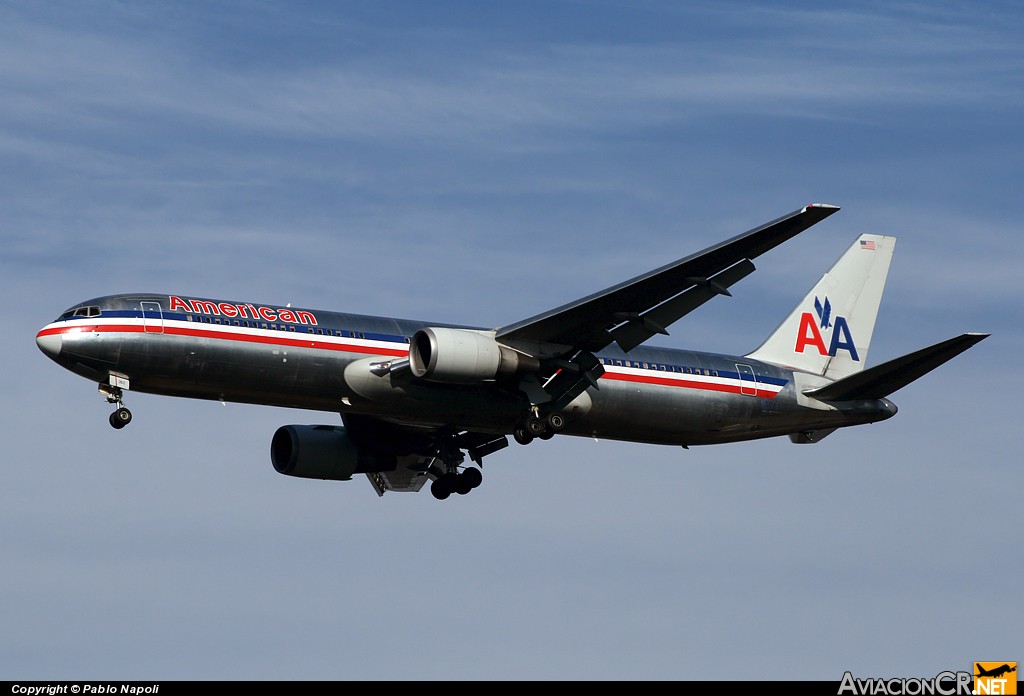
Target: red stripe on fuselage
[367,350]
[296,342]
[687,384]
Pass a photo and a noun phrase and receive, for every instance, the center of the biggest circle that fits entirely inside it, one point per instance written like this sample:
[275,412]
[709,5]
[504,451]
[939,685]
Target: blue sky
[479,162]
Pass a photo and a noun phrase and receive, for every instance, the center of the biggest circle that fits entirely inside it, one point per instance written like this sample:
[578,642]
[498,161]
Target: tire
[536,427]
[120,418]
[472,476]
[522,436]
[462,484]
[440,488]
[556,422]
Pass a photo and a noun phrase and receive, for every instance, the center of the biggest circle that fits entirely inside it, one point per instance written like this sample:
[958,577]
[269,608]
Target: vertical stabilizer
[830,330]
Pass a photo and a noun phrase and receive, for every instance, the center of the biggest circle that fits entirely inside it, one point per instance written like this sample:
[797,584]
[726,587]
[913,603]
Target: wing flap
[644,326]
[407,477]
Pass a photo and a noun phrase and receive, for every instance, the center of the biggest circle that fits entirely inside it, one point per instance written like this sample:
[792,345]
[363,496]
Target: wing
[631,312]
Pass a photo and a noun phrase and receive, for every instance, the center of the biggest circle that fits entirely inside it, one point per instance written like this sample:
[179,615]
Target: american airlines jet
[416,397]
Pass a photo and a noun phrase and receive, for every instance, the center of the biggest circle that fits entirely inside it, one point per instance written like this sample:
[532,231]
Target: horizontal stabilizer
[882,380]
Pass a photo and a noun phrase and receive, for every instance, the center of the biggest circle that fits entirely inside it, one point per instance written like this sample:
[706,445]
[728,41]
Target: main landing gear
[538,426]
[114,395]
[448,459]
[456,482]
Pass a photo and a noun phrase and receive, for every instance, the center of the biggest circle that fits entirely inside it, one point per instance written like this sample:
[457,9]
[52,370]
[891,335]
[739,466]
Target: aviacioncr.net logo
[943,684]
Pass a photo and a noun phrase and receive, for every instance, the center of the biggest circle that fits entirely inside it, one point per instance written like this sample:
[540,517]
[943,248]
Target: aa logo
[810,334]
[995,677]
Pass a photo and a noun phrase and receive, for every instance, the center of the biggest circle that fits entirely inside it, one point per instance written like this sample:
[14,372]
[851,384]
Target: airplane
[996,672]
[416,397]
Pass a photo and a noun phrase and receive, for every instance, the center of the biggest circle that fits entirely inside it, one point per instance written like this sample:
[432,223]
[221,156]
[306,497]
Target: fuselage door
[152,317]
[748,382]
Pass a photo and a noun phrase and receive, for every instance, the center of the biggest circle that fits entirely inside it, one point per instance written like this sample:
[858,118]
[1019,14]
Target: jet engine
[464,356]
[323,452]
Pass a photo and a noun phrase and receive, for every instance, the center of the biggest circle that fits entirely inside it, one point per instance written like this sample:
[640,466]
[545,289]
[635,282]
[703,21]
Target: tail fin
[830,330]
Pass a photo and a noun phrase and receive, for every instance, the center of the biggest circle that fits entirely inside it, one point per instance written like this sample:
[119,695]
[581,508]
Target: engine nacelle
[464,356]
[323,452]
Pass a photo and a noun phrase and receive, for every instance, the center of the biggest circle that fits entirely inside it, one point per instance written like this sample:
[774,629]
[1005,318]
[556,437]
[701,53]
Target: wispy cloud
[814,66]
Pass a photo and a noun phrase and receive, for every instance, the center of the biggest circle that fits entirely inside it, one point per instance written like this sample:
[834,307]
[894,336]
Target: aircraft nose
[49,343]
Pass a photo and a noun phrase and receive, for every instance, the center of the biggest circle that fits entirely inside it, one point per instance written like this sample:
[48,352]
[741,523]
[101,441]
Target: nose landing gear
[114,395]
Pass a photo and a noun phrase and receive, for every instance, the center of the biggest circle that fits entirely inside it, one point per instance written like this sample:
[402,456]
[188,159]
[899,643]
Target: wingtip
[826,206]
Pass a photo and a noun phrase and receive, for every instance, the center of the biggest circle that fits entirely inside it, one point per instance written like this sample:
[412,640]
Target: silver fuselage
[312,359]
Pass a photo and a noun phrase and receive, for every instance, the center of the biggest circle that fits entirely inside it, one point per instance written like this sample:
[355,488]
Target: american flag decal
[868,245]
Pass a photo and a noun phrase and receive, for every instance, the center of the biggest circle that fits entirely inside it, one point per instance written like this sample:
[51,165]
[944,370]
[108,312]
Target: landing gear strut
[114,395]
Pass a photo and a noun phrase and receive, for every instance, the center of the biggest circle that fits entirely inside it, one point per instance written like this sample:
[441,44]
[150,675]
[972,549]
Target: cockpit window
[89,311]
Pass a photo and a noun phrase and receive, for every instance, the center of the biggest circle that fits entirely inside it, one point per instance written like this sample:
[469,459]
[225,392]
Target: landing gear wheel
[442,487]
[472,477]
[463,485]
[547,435]
[120,418]
[535,426]
[556,421]
[522,436]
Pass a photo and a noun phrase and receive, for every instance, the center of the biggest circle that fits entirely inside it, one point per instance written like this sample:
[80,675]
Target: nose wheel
[120,418]
[121,415]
